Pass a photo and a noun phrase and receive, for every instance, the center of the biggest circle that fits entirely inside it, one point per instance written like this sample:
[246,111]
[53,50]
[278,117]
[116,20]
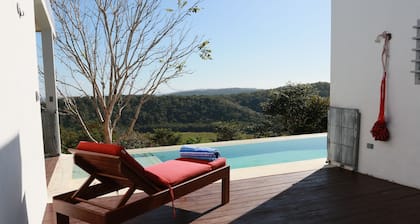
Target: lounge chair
[115,169]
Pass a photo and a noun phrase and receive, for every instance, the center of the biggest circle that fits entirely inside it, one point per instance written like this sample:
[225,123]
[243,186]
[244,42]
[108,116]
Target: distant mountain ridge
[214,92]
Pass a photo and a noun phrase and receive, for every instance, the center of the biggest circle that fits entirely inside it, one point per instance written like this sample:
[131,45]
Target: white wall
[22,174]
[356,72]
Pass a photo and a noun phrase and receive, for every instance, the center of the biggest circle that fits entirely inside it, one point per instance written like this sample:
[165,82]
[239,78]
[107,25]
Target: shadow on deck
[329,195]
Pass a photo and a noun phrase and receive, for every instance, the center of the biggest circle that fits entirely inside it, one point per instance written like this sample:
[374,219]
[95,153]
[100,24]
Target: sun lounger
[115,169]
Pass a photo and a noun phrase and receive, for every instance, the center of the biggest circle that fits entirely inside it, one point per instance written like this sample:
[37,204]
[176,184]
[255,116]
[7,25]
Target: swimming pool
[247,155]
[264,153]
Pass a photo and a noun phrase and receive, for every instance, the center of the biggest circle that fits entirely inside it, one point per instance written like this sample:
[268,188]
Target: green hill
[192,113]
[196,111]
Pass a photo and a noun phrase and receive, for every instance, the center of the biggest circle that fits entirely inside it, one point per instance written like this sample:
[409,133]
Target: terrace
[326,195]
[323,194]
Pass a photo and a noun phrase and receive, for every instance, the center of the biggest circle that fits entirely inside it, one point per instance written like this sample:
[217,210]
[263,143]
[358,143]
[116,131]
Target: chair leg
[225,188]
[62,219]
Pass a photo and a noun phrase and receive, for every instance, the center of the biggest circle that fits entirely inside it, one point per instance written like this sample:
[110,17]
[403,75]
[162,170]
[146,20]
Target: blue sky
[260,44]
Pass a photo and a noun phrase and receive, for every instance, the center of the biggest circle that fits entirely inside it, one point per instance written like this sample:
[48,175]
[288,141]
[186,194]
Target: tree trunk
[107,129]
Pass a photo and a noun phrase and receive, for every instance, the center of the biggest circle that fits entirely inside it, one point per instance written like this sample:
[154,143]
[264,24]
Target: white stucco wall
[22,174]
[356,72]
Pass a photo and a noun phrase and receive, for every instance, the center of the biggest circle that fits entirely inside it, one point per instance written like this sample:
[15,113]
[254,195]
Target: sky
[259,44]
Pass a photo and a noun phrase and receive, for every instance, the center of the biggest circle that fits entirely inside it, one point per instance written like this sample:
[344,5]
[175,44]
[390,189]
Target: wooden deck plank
[325,196]
[50,164]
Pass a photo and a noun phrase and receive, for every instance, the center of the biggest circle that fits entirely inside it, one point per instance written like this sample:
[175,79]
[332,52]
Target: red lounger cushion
[174,172]
[110,149]
[217,163]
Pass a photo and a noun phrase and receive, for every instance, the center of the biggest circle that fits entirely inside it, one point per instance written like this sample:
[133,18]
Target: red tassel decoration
[379,130]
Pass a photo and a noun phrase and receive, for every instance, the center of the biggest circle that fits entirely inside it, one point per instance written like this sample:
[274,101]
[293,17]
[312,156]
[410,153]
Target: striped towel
[192,152]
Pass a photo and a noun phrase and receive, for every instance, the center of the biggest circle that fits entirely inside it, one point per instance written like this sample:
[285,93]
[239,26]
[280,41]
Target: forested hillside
[188,113]
[192,113]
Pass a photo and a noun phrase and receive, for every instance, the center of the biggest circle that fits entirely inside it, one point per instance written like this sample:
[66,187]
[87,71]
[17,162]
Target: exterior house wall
[23,193]
[356,73]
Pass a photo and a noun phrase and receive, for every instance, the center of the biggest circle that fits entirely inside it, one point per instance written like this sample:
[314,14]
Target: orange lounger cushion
[217,163]
[110,149]
[173,172]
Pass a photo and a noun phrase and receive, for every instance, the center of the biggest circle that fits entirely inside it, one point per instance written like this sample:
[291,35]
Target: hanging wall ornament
[379,130]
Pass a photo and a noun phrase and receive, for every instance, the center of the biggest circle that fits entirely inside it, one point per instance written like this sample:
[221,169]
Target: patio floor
[329,195]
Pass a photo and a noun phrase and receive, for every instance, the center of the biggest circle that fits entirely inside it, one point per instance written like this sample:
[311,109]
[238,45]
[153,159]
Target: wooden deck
[50,164]
[330,195]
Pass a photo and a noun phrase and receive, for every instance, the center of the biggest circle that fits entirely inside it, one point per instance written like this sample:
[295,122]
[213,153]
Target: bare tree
[116,49]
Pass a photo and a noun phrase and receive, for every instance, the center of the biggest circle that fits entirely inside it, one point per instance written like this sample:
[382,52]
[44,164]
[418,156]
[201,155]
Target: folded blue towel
[186,148]
[208,154]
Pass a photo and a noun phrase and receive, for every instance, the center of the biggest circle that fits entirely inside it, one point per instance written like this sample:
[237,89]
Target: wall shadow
[335,195]
[13,202]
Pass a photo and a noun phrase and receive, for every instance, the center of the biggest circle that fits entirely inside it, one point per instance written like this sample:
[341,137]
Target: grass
[197,137]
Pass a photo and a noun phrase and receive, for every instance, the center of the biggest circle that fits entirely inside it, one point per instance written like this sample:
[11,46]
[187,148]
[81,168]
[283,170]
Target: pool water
[265,153]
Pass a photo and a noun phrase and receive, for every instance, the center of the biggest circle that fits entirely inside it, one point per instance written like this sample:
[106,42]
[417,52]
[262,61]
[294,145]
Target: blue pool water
[265,153]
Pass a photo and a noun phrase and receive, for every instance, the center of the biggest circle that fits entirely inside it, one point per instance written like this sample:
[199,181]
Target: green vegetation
[165,136]
[298,108]
[173,119]
[197,137]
